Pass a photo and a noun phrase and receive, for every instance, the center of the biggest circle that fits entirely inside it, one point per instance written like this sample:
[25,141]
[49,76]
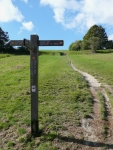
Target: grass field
[98,65]
[64,99]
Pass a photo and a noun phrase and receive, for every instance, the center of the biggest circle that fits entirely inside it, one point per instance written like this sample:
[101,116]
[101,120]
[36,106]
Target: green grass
[52,52]
[103,107]
[4,55]
[110,96]
[103,112]
[64,98]
[98,65]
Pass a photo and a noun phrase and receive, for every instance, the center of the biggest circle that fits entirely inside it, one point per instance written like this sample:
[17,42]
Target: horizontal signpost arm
[17,43]
[51,43]
[28,44]
[24,42]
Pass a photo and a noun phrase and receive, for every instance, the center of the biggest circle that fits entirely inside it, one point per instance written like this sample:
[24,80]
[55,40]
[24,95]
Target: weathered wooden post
[32,45]
[34,85]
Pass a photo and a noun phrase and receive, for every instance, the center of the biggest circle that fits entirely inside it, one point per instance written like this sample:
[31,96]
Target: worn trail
[98,132]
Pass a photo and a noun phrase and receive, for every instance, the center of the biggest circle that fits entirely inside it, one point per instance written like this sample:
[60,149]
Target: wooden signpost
[33,45]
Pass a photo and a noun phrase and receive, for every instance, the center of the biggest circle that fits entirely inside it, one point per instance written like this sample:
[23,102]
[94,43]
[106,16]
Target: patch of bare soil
[98,133]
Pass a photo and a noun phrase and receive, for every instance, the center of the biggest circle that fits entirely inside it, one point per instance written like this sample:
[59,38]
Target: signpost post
[34,85]
[33,45]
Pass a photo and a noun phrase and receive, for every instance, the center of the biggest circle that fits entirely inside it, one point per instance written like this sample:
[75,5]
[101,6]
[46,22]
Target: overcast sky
[68,20]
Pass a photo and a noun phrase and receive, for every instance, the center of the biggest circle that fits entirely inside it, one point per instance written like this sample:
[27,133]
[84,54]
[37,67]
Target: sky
[67,20]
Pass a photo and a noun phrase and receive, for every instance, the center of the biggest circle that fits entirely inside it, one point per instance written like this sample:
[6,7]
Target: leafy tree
[71,46]
[85,45]
[22,51]
[94,43]
[109,44]
[99,32]
[4,38]
[76,46]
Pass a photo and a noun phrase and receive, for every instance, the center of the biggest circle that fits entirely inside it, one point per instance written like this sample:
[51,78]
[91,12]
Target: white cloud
[60,7]
[28,25]
[74,13]
[67,4]
[110,37]
[25,1]
[59,12]
[98,12]
[9,12]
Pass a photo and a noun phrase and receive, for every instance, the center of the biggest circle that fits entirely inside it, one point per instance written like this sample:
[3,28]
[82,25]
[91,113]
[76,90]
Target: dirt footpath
[98,133]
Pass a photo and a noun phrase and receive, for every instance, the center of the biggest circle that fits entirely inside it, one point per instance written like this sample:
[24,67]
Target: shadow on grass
[85,142]
[73,140]
[80,141]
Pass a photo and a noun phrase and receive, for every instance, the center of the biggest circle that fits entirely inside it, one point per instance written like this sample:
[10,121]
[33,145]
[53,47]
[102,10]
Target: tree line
[6,48]
[95,39]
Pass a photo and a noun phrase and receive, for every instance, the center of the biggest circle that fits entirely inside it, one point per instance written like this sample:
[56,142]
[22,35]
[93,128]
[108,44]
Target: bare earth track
[98,133]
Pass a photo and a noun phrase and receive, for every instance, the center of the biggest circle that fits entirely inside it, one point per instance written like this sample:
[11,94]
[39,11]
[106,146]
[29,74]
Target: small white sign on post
[33,88]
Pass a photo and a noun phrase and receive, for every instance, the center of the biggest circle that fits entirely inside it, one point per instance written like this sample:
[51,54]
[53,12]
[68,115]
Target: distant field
[64,99]
[99,65]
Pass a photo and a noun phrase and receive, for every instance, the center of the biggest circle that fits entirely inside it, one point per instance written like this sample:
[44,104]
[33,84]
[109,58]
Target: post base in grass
[35,128]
